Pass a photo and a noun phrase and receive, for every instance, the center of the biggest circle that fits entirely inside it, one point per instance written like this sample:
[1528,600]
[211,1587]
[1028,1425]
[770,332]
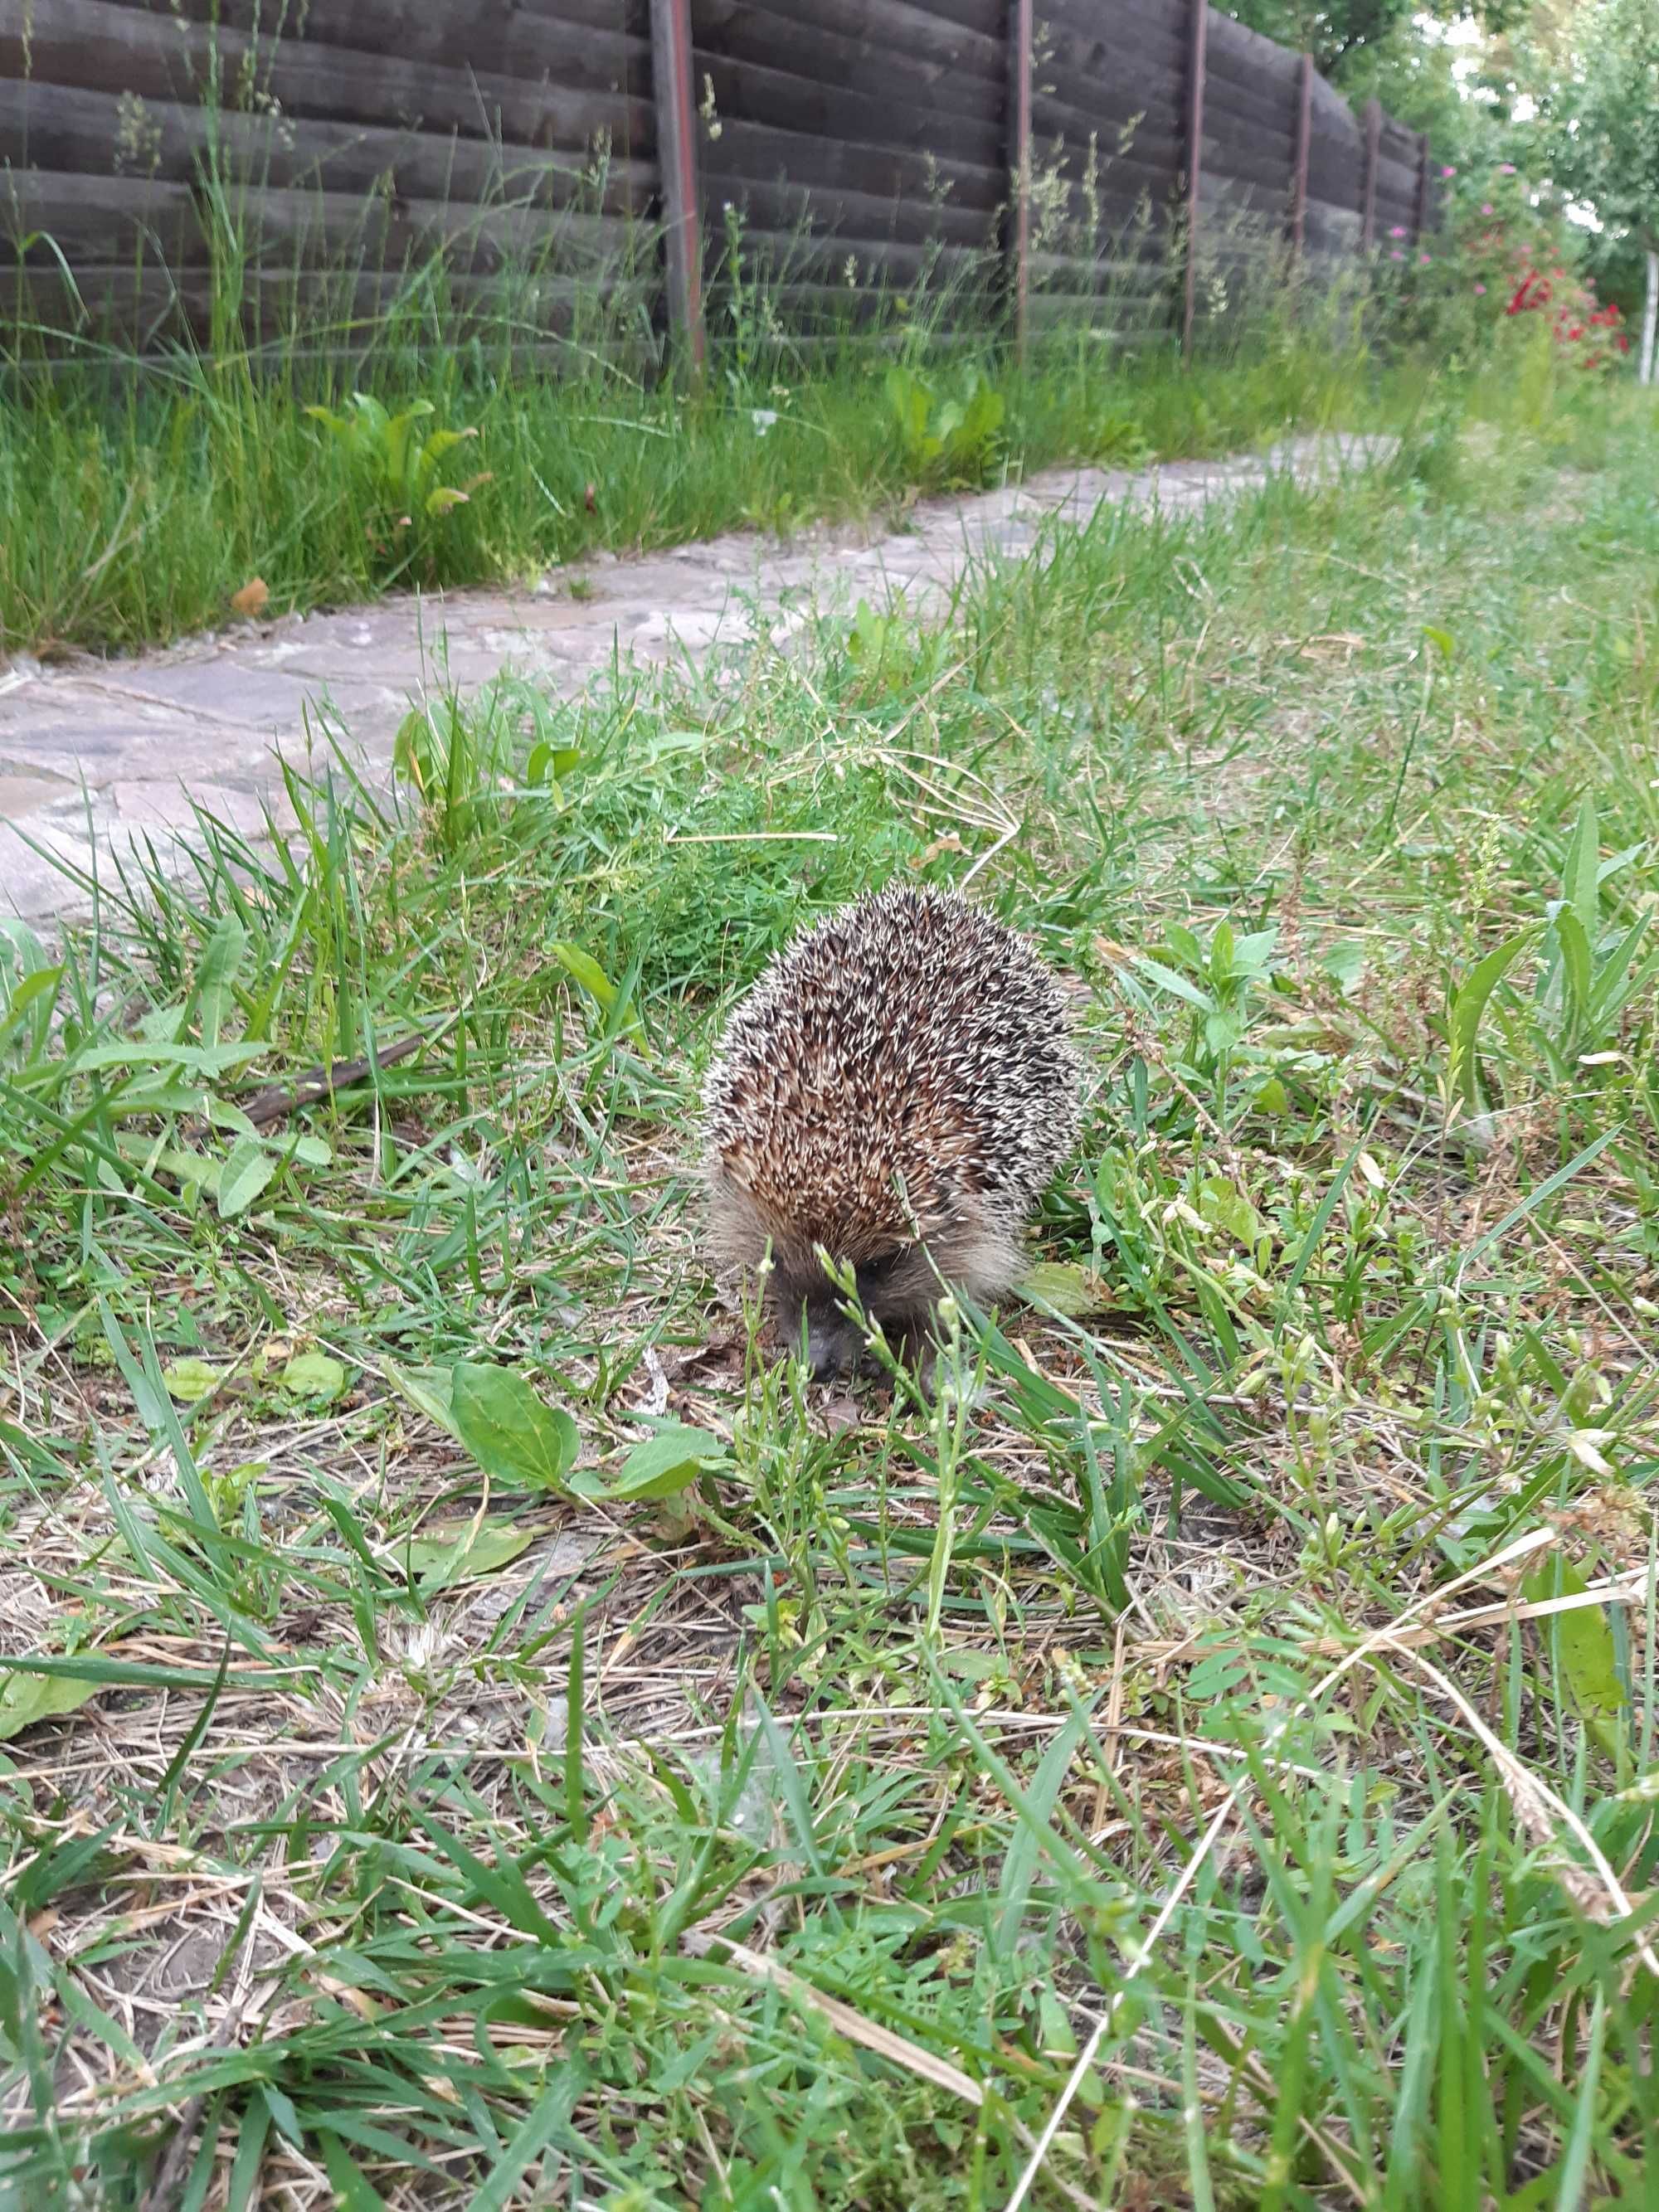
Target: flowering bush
[1499,257]
[1575,319]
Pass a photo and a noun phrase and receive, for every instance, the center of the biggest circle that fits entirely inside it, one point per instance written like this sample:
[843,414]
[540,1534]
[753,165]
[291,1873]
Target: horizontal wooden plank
[895,28]
[1244,55]
[1333,224]
[953,339]
[785,257]
[513,41]
[1337,131]
[1247,116]
[807,309]
[316,225]
[102,47]
[632,17]
[1070,218]
[1151,158]
[1122,110]
[1238,159]
[989,17]
[310,319]
[1341,181]
[752,149]
[61,127]
[1395,215]
[812,56]
[1397,143]
[1055,272]
[96,220]
[746,89]
[380,292]
[1053,313]
[1158,29]
[1397,182]
[1330,112]
[1101,52]
[782,206]
[89,221]
[1242,195]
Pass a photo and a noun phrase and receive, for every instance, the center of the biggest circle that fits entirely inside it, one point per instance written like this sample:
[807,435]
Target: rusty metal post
[1422,219]
[677,168]
[1373,142]
[1196,45]
[1020,32]
[1299,172]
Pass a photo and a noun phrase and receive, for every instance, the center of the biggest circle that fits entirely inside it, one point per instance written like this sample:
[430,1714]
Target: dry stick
[1539,1809]
[170,2174]
[706,1943]
[277,1101]
[1086,2057]
[1229,1806]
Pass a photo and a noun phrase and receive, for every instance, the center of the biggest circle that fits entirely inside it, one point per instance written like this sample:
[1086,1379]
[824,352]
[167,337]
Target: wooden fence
[1115,165]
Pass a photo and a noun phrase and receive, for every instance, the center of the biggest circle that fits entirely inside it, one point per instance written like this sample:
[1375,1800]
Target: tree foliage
[1602,116]
[1336,32]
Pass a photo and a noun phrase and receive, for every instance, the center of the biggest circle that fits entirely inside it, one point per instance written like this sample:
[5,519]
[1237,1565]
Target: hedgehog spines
[897,1088]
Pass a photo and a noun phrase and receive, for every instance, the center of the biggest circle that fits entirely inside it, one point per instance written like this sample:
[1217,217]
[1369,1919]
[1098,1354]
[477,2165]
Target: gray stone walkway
[93,753]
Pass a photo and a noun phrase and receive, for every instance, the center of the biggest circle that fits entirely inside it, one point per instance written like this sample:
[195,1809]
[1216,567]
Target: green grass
[137,500]
[1213,1744]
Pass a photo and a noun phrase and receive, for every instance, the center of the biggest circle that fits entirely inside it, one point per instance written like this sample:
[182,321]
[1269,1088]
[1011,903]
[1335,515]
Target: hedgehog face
[898,1286]
[897,1292]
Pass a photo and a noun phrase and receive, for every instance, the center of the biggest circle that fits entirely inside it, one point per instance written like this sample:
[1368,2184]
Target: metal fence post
[1299,171]
[1020,169]
[1197,39]
[676,167]
[1422,217]
[1368,205]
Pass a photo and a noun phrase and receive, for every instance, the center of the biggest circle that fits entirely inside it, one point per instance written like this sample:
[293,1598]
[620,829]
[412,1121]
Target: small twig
[172,2173]
[1144,1950]
[709,1943]
[277,1100]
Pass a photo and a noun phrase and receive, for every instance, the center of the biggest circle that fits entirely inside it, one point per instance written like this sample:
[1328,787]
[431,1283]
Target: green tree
[1336,32]
[1602,118]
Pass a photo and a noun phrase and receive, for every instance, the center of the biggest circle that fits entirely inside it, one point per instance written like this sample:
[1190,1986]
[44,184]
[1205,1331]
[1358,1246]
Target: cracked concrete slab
[96,754]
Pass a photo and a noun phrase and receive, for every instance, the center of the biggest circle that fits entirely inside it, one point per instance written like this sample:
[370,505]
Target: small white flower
[763,418]
[1585,1445]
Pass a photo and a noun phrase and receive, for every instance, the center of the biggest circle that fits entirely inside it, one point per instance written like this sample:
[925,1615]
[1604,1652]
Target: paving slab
[97,754]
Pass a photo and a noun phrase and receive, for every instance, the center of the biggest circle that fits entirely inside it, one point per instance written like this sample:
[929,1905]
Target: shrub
[397,468]
[950,437]
[1502,254]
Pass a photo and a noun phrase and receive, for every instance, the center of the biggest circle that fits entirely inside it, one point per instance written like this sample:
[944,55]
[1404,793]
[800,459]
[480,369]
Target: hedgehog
[893,1094]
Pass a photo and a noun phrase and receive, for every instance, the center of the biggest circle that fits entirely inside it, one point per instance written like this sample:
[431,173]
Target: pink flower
[1396,255]
[1506,168]
[1446,169]
[1425,256]
[1480,288]
[1487,208]
[1399,231]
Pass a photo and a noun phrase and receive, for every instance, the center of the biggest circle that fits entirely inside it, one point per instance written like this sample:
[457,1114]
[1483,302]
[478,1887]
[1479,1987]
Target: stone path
[93,753]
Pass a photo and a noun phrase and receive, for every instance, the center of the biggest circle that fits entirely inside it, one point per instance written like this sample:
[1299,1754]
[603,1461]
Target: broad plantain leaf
[514,1436]
[669,1462]
[243,1176]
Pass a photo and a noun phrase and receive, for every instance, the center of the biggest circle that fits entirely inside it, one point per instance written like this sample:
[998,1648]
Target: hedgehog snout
[834,1345]
[805,1302]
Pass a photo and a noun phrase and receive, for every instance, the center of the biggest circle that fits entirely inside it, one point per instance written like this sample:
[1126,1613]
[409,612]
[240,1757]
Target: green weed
[945,436]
